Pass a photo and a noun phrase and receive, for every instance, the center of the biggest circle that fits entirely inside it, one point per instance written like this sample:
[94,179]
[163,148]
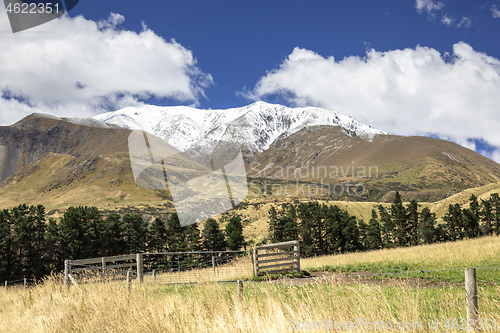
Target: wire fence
[25,282]
[419,271]
[194,267]
[165,267]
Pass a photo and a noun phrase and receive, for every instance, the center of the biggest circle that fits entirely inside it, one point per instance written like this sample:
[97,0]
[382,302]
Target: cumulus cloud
[428,5]
[75,66]
[415,91]
[495,11]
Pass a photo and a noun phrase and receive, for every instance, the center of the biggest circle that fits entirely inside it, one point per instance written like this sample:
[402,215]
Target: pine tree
[487,216]
[333,229]
[193,238]
[350,233]
[454,222]
[363,229]
[427,231]
[441,233]
[283,224]
[157,236]
[6,246]
[275,228]
[71,235]
[398,214]
[176,239]
[412,217]
[54,258]
[495,202]
[373,233]
[387,226]
[93,232]
[113,239]
[135,233]
[471,218]
[81,232]
[40,247]
[213,237]
[234,234]
[289,222]
[311,228]
[28,231]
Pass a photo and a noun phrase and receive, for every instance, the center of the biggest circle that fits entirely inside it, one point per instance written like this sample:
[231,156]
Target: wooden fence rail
[104,265]
[277,258]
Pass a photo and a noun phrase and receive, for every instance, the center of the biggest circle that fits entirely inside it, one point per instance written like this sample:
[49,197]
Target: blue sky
[410,67]
[238,41]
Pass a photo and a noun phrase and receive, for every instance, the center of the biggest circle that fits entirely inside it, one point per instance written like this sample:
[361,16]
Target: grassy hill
[59,181]
[422,168]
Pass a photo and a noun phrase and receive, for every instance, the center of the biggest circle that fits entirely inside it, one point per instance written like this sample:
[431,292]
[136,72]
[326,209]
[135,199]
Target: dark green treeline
[32,246]
[325,229]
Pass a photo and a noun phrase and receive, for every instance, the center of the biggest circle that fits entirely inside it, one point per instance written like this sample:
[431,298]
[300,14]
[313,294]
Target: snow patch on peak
[255,126]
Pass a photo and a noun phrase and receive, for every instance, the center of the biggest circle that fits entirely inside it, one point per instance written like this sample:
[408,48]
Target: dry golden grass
[266,306]
[467,253]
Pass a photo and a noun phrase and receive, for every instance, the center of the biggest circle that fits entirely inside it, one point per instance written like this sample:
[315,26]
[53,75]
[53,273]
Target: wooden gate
[277,258]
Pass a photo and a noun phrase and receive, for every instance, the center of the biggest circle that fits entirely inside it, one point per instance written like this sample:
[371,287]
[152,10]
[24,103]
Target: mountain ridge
[255,127]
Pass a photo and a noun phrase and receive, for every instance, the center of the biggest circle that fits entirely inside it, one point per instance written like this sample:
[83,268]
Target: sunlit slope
[424,168]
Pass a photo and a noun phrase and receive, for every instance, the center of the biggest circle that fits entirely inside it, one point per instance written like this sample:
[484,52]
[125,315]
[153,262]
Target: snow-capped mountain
[254,126]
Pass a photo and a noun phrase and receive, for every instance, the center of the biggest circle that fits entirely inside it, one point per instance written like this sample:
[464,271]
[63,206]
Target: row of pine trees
[32,246]
[325,229]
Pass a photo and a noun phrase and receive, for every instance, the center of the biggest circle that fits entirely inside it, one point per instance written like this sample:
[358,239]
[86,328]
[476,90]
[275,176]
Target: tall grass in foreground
[266,307]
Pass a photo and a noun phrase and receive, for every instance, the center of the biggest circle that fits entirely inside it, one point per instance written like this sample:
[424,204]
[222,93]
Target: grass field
[272,306]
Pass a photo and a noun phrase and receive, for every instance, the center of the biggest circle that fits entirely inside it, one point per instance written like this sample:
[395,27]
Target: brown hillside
[427,168]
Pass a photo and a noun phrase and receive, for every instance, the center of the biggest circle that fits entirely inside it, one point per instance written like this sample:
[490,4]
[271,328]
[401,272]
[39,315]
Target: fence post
[179,268]
[213,264]
[67,272]
[103,260]
[471,293]
[255,262]
[129,281]
[6,283]
[25,283]
[140,267]
[239,290]
[296,250]
[154,274]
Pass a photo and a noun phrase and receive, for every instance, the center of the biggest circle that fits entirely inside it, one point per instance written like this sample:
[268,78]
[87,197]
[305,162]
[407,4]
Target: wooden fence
[105,266]
[277,258]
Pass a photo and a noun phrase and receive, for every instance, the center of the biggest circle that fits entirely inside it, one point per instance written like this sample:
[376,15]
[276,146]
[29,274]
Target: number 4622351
[32,8]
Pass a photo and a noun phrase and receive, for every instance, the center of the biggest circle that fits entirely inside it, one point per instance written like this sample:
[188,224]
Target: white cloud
[428,5]
[496,11]
[76,66]
[410,92]
[495,155]
[435,9]
[466,22]
[447,20]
